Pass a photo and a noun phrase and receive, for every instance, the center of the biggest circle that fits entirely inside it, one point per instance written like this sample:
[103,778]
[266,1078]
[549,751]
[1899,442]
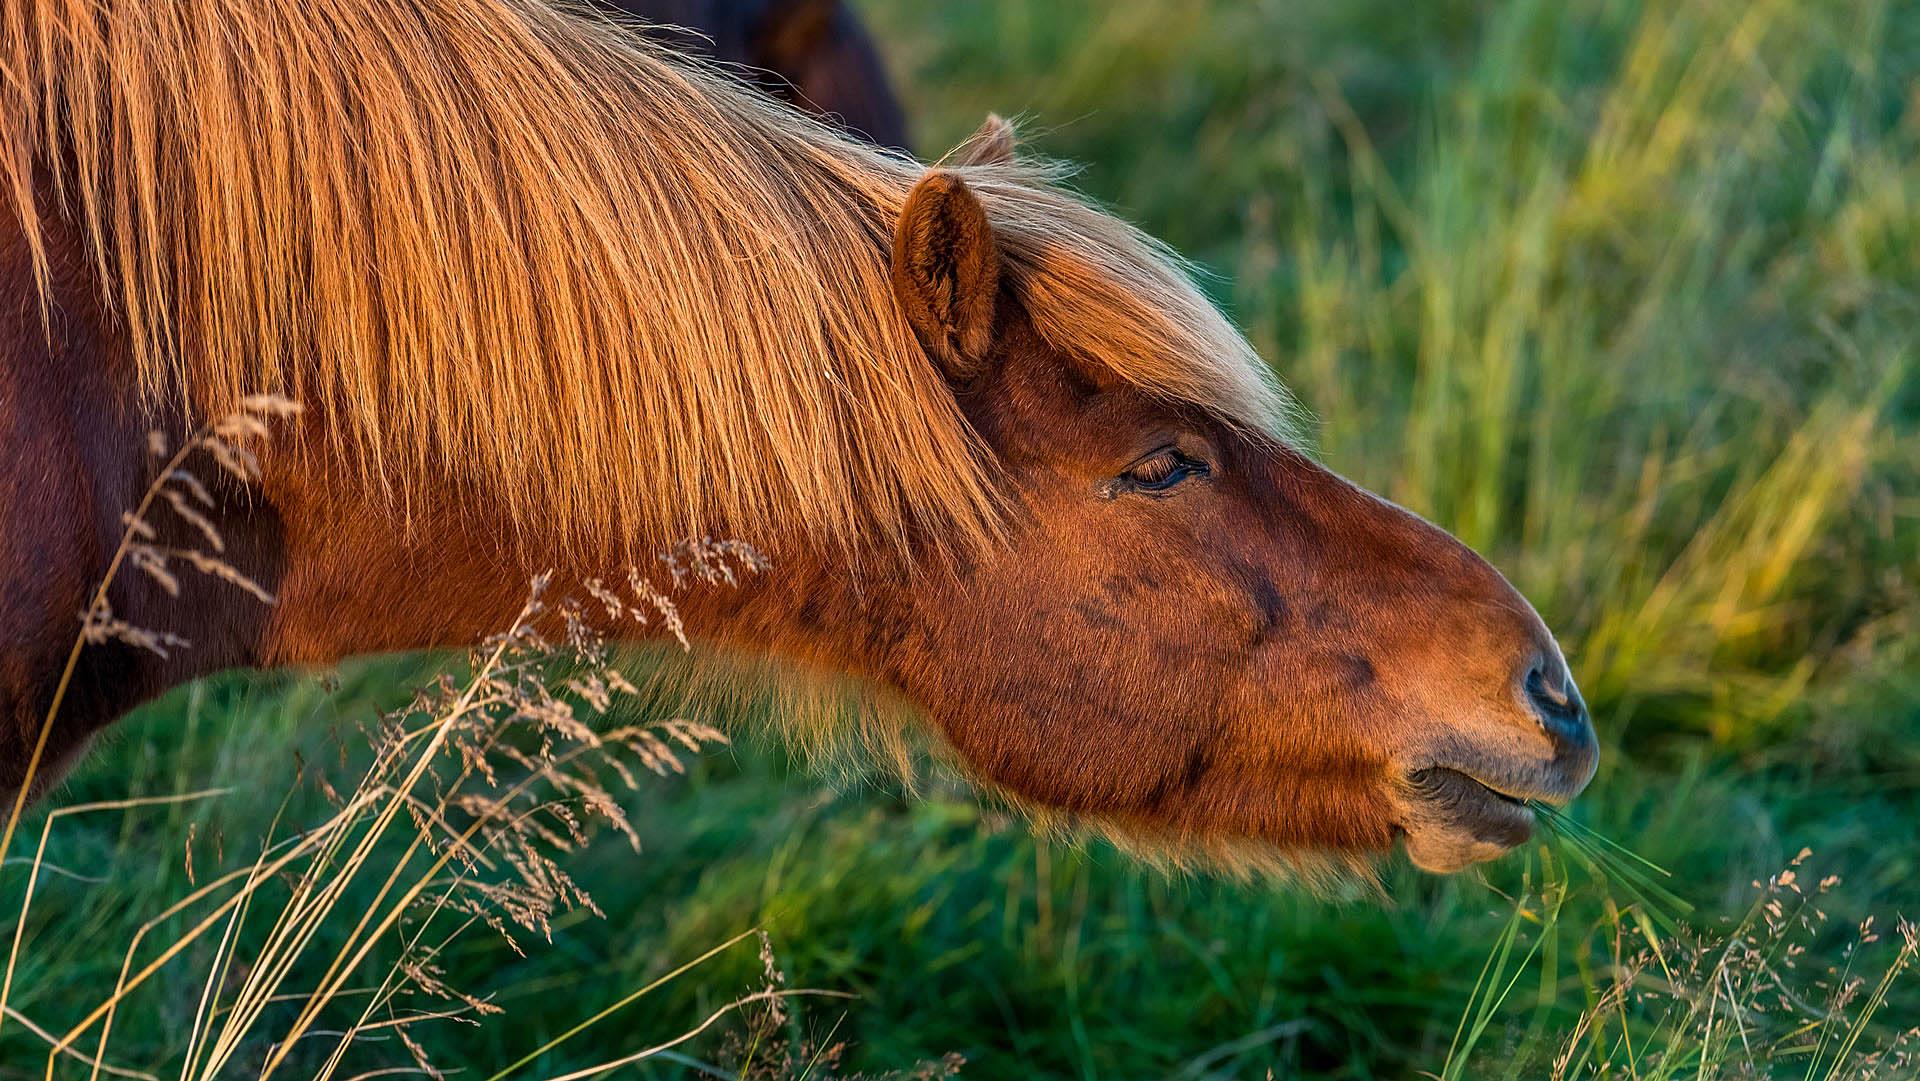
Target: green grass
[1626,295]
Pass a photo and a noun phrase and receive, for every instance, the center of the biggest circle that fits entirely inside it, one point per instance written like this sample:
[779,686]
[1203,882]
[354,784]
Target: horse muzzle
[1473,799]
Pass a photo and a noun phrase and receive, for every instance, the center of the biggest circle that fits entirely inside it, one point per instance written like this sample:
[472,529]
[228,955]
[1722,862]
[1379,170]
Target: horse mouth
[1454,819]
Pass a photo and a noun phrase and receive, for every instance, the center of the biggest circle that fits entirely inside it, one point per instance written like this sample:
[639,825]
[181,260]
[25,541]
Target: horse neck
[361,576]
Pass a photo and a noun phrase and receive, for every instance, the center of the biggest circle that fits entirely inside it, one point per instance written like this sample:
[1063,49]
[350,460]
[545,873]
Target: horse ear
[946,273]
[991,144]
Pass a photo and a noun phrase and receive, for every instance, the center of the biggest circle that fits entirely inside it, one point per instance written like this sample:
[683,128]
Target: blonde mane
[501,246]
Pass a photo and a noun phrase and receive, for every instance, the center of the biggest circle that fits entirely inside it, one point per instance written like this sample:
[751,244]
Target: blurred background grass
[1624,294]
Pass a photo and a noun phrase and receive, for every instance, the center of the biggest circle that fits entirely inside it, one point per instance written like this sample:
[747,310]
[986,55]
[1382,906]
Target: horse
[814,54]
[553,297]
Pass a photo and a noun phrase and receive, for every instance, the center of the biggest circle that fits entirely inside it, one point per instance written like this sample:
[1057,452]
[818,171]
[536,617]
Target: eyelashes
[1162,471]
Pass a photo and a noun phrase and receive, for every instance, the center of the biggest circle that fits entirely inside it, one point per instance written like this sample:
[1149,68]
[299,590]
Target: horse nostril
[1550,691]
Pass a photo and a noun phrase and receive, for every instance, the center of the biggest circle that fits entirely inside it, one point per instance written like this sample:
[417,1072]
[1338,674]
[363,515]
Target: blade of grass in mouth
[1638,876]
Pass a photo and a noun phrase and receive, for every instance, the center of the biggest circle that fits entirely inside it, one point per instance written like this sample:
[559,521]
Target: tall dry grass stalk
[475,794]
[228,442]
[1768,995]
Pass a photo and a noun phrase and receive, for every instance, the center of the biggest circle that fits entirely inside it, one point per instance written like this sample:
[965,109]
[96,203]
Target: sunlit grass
[1745,998]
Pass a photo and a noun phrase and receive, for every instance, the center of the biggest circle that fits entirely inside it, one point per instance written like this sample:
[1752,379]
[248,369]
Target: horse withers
[558,299]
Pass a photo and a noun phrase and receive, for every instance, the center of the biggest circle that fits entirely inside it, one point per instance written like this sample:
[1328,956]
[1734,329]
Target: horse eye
[1162,470]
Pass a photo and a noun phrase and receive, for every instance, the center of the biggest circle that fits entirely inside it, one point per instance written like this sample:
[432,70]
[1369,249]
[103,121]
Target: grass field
[1627,296]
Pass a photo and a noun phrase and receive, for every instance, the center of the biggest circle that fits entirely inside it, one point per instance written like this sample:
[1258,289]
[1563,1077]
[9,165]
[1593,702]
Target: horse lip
[1454,819]
[1468,802]
[1462,798]
[1547,785]
[1434,778]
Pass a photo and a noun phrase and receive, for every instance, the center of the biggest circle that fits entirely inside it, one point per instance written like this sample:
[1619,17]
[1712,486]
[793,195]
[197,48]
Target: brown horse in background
[810,53]
[552,296]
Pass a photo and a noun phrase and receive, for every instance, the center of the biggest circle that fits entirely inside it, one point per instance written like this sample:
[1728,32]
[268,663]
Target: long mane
[497,245]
